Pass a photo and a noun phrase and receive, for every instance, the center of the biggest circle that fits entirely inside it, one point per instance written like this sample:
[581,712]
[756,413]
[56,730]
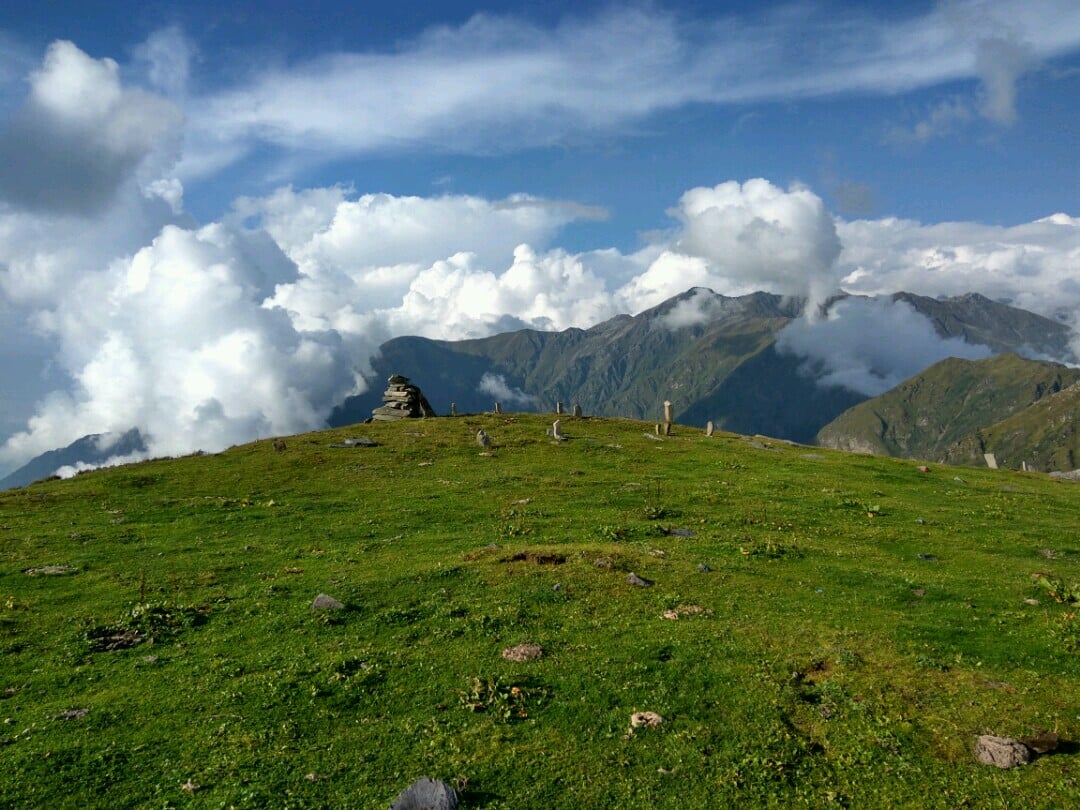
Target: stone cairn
[401,400]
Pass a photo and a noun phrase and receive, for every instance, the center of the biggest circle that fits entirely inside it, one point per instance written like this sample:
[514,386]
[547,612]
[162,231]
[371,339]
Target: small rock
[324,602]
[426,794]
[928,557]
[919,592]
[657,552]
[646,719]
[924,469]
[1048,553]
[73,714]
[50,570]
[557,586]
[959,480]
[678,532]
[1001,752]
[673,615]
[482,438]
[603,562]
[1031,601]
[703,568]
[486,454]
[638,582]
[523,652]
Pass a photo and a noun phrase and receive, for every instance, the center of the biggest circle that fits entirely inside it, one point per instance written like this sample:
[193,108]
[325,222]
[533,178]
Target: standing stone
[1001,752]
[498,408]
[658,429]
[556,426]
[991,460]
[483,439]
[708,428]
[558,409]
[667,428]
[453,409]
[667,411]
[577,411]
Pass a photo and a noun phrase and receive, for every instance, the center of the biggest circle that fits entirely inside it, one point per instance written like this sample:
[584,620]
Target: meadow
[820,628]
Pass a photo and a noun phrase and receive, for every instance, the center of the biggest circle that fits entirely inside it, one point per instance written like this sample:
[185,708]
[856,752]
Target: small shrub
[502,700]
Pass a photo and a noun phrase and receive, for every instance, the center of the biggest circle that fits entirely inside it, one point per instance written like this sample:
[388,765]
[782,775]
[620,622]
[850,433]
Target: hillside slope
[924,416]
[813,628]
[1042,436]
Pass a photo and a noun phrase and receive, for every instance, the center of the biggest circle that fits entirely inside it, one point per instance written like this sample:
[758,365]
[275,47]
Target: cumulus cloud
[175,341]
[870,345]
[81,135]
[496,386]
[738,238]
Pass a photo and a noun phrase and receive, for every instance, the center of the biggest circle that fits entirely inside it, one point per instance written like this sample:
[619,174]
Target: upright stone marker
[577,411]
[667,411]
[991,460]
[498,408]
[453,409]
[708,428]
[558,409]
[555,429]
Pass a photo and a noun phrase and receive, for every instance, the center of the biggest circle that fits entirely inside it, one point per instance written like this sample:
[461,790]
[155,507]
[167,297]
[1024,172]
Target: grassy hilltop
[859,624]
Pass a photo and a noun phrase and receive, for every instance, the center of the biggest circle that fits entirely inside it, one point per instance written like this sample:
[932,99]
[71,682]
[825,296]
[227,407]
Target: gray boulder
[1001,752]
[426,794]
[324,602]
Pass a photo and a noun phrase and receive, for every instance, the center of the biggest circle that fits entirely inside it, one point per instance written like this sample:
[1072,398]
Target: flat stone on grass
[523,652]
[50,570]
[638,582]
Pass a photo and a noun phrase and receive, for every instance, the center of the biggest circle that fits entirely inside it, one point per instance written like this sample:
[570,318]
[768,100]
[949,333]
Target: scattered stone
[1001,752]
[924,469]
[1042,742]
[1049,553]
[523,652]
[920,521]
[482,438]
[654,438]
[557,587]
[657,552]
[959,480]
[703,568]
[190,787]
[1071,475]
[919,592]
[150,659]
[73,714]
[312,777]
[486,454]
[426,794]
[603,562]
[683,610]
[50,570]
[426,464]
[678,532]
[324,602]
[638,582]
[279,447]
[401,400]
[646,719]
[1031,601]
[928,557]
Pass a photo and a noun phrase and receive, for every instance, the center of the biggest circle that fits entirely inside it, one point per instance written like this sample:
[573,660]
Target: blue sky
[343,173]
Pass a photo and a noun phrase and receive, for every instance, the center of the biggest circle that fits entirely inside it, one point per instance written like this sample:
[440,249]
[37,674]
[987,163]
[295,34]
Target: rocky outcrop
[401,400]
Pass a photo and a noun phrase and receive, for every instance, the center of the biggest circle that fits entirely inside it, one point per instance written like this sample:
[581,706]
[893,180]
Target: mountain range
[716,359]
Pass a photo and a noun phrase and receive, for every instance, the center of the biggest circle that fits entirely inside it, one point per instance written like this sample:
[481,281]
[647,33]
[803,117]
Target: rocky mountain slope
[937,415]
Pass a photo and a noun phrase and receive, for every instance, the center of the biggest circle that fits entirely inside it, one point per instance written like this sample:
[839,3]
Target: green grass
[832,664]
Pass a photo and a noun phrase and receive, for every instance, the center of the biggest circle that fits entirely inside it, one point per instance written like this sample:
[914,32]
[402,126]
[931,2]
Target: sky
[212,214]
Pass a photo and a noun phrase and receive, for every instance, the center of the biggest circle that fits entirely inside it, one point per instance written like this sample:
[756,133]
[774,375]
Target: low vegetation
[821,628]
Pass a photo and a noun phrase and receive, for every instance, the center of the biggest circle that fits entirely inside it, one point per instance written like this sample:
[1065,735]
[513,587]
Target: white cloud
[497,84]
[738,238]
[179,345]
[870,345]
[80,136]
[496,386]
[1032,265]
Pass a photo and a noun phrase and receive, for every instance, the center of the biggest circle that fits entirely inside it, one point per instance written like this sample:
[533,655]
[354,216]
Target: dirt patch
[117,640]
[535,558]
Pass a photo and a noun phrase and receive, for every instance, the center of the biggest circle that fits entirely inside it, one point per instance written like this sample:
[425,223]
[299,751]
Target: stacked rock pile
[401,400]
